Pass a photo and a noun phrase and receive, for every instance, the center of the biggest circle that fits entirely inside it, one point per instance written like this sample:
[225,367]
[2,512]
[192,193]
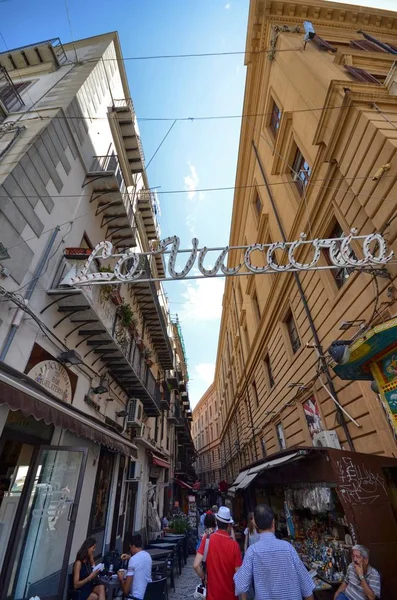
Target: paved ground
[186,583]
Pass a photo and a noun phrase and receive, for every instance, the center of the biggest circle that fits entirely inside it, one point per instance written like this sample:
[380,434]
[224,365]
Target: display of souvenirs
[317,499]
[330,560]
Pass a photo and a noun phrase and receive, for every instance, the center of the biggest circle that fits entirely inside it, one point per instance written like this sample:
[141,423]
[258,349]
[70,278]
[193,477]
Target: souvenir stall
[325,501]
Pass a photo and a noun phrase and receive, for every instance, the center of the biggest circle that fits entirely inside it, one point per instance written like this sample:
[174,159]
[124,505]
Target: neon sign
[340,254]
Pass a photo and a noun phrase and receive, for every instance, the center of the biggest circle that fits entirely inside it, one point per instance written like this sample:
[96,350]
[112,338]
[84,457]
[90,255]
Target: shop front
[325,501]
[55,485]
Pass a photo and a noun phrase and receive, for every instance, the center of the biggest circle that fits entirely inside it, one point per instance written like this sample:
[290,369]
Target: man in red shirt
[222,561]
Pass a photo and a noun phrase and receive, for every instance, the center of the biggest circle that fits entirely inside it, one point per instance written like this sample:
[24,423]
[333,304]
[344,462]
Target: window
[256,306]
[363,75]
[342,274]
[280,436]
[258,204]
[269,372]
[366,45]
[292,332]
[263,445]
[323,44]
[219,453]
[213,456]
[255,392]
[10,90]
[275,119]
[300,171]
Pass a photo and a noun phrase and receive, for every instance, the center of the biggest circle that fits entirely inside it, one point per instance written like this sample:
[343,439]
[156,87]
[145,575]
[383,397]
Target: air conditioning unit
[134,471]
[326,439]
[139,430]
[135,412]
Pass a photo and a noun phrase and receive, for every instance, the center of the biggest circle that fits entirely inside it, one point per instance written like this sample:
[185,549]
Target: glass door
[41,561]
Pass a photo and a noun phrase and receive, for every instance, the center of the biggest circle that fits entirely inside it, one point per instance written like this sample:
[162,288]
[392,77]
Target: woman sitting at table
[83,575]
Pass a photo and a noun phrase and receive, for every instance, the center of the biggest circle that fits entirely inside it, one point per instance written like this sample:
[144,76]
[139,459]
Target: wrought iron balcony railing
[34,54]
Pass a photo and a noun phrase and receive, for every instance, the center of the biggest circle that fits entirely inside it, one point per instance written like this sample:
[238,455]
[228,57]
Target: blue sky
[197,154]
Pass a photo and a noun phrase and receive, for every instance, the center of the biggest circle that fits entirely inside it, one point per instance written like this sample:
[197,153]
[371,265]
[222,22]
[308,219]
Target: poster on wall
[313,419]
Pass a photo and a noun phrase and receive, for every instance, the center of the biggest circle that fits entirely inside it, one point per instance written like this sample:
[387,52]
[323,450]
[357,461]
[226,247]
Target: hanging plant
[126,314]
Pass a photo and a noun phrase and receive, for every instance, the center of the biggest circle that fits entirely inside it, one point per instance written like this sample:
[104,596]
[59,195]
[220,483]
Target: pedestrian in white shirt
[139,571]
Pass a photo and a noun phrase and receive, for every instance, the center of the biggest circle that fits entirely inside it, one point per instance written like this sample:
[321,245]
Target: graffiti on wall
[357,483]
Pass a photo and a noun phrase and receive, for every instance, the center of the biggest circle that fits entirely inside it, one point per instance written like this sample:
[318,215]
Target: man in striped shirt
[272,566]
[362,582]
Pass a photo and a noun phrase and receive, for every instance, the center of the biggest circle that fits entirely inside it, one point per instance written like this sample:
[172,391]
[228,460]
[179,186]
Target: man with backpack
[222,558]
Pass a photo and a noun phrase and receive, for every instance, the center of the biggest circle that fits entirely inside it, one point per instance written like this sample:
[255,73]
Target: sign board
[257,259]
[53,377]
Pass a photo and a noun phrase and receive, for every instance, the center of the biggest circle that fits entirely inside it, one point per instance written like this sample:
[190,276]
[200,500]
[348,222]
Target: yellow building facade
[206,438]
[317,155]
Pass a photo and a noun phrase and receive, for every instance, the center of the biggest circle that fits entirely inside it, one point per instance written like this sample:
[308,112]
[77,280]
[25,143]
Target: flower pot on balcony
[140,344]
[77,252]
[149,362]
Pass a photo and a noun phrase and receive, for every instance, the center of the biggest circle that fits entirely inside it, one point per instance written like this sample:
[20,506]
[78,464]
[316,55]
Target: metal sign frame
[338,251]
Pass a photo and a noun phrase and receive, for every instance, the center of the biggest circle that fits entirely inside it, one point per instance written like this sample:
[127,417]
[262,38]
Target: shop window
[275,119]
[258,204]
[363,75]
[101,495]
[255,392]
[292,332]
[269,372]
[340,275]
[280,436]
[300,171]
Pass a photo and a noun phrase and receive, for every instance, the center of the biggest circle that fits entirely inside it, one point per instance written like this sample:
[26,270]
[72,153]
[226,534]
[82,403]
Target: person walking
[250,533]
[362,582]
[223,559]
[272,566]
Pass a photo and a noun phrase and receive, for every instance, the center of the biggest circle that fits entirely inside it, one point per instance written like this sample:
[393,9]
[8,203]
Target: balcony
[10,98]
[49,51]
[165,397]
[151,310]
[126,134]
[113,200]
[93,314]
[149,210]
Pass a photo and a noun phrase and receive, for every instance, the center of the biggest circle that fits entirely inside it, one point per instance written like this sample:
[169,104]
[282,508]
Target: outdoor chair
[157,590]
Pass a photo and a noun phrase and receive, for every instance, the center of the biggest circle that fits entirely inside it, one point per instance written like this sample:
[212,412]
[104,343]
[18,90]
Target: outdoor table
[157,553]
[181,538]
[111,586]
[157,544]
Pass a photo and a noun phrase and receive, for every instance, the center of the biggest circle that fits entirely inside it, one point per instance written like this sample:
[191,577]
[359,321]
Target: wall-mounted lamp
[70,356]
[102,387]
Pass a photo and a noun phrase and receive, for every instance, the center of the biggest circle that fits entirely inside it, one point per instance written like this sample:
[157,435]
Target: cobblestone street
[185,584]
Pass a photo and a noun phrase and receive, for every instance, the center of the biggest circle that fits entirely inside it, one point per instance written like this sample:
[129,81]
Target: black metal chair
[157,590]
[72,594]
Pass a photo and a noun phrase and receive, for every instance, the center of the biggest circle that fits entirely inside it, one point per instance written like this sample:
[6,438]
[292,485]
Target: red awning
[183,484]
[160,462]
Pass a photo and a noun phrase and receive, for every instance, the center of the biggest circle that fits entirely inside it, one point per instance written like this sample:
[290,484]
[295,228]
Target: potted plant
[126,315]
[147,356]
[107,289]
[116,297]
[179,524]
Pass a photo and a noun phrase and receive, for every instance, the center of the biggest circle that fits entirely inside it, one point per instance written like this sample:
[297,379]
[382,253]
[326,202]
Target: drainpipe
[28,294]
[317,343]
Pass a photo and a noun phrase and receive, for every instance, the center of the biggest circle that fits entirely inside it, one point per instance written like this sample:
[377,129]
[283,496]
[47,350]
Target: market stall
[325,501]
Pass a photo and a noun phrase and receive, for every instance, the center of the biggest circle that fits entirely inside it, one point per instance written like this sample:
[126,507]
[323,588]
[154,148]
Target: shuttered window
[323,44]
[361,75]
[366,45]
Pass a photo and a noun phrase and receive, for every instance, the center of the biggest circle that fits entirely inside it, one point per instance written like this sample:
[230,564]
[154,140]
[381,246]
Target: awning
[183,484]
[276,462]
[246,477]
[246,481]
[19,392]
[160,462]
